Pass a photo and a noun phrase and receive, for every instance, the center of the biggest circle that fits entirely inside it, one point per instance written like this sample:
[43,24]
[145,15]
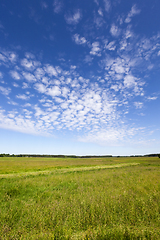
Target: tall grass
[24,164]
[118,203]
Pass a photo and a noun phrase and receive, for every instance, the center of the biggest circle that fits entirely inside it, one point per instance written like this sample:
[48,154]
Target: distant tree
[4,155]
[159,155]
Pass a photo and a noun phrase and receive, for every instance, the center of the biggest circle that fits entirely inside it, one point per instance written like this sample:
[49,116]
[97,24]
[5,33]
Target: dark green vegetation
[64,201]
[52,156]
[70,156]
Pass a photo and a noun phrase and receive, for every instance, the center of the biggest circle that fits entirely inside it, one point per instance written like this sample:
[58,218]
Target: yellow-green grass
[24,164]
[104,203]
[65,170]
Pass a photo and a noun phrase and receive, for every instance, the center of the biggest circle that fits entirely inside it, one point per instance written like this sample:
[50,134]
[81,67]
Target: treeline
[91,156]
[35,155]
[152,155]
[72,156]
[50,156]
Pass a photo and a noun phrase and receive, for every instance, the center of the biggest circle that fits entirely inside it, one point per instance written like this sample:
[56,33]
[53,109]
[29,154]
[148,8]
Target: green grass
[73,203]
[24,164]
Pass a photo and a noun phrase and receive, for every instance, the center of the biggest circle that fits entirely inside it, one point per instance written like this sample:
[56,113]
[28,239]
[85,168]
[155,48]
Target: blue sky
[80,77]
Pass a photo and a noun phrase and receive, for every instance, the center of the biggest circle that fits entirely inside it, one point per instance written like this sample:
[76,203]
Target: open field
[66,198]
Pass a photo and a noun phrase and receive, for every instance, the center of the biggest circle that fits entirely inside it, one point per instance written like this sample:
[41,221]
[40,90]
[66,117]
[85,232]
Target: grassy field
[66,198]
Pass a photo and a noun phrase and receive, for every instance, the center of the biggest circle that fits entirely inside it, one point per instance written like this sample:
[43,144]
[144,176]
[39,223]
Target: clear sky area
[80,77]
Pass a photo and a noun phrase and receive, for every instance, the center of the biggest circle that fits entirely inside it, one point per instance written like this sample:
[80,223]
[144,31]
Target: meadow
[92,198]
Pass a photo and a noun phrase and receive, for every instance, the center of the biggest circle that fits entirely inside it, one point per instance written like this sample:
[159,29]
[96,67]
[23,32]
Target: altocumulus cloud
[90,79]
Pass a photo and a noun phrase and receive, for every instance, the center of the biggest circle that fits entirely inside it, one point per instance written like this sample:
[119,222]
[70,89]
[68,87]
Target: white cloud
[38,111]
[45,80]
[40,87]
[118,66]
[99,21]
[8,56]
[5,91]
[88,59]
[138,104]
[22,96]
[27,105]
[84,104]
[115,31]
[151,66]
[64,105]
[107,5]
[53,91]
[111,46]
[96,1]
[12,57]
[50,70]
[11,115]
[112,136]
[134,11]
[129,81]
[12,103]
[152,98]
[96,50]
[123,44]
[29,55]
[28,64]
[58,69]
[25,85]
[115,87]
[58,99]
[75,18]
[109,136]
[65,91]
[15,75]
[3,58]
[100,12]
[57,6]
[17,122]
[1,75]
[29,77]
[79,40]
[56,82]
[39,73]
[128,34]
[15,85]
[73,67]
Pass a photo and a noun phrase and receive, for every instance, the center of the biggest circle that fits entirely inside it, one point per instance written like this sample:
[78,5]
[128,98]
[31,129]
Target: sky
[80,77]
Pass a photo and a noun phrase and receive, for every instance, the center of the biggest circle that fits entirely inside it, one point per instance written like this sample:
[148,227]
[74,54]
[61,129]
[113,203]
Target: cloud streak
[134,11]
